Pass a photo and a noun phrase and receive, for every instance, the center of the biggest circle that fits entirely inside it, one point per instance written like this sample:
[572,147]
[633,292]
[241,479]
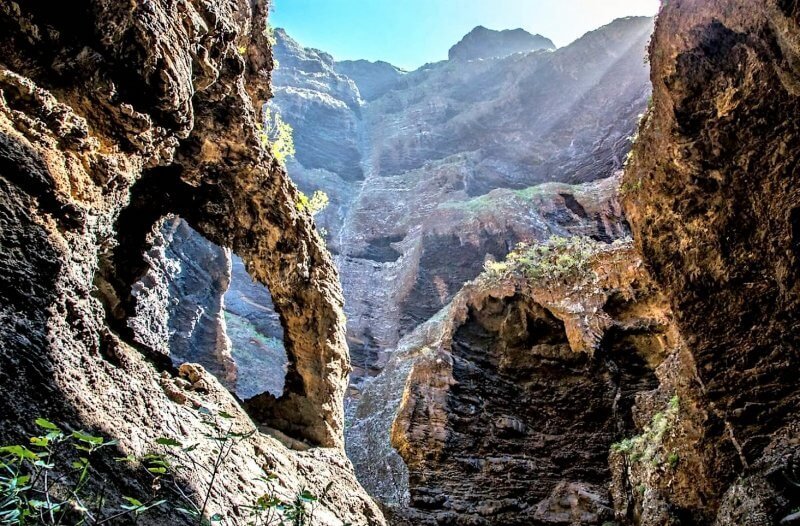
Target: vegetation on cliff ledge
[558,259]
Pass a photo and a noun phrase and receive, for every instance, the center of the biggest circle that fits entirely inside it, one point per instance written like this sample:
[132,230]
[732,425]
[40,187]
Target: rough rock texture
[407,236]
[197,303]
[307,85]
[432,250]
[713,201]
[507,402]
[112,116]
[373,79]
[255,333]
[488,43]
[179,305]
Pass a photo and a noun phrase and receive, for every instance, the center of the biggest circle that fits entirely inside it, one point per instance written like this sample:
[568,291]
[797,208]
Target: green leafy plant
[175,459]
[314,204]
[271,510]
[34,491]
[278,134]
[645,447]
[269,32]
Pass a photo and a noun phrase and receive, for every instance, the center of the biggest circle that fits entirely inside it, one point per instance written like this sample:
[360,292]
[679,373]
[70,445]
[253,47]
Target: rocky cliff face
[112,117]
[713,202]
[508,401]
[482,43]
[197,303]
[430,173]
[609,396]
[373,79]
[434,144]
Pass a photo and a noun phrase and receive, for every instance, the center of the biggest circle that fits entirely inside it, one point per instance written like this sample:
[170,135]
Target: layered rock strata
[432,140]
[413,216]
[504,406]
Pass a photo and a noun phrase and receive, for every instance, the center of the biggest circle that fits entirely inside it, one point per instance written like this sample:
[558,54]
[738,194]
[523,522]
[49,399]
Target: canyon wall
[446,154]
[430,175]
[432,172]
[648,385]
[713,201]
[504,407]
[114,116]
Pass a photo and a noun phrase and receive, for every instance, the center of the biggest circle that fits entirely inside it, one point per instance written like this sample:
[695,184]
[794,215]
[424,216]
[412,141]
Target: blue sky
[409,33]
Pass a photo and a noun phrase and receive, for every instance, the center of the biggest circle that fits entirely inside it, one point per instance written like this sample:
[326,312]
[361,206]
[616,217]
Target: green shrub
[557,259]
[315,204]
[278,134]
[33,491]
[645,447]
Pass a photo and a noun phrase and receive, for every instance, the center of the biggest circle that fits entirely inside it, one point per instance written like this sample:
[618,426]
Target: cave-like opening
[180,298]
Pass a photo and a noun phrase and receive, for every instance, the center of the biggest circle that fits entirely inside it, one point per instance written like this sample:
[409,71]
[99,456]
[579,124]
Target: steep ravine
[408,231]
[114,116]
[649,385]
[587,380]
[431,172]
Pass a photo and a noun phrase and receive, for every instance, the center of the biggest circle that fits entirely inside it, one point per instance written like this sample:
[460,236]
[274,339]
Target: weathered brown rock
[113,115]
[512,396]
[713,199]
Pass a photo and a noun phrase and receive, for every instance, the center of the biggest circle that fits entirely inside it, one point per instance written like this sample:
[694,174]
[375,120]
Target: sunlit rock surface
[483,43]
[504,406]
[114,116]
[431,172]
[434,143]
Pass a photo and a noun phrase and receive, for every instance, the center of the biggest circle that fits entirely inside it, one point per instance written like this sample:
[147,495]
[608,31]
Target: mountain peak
[482,42]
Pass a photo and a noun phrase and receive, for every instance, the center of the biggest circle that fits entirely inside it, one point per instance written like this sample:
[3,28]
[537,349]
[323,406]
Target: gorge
[551,286]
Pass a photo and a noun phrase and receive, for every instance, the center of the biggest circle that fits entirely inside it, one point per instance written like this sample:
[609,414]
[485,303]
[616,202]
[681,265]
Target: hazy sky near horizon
[409,33]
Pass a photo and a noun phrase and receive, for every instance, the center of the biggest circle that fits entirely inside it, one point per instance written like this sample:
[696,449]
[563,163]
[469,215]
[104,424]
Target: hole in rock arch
[136,295]
[197,303]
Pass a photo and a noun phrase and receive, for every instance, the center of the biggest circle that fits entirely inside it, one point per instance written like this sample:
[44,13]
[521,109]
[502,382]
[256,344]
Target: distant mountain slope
[443,134]
[431,172]
[373,79]
[488,43]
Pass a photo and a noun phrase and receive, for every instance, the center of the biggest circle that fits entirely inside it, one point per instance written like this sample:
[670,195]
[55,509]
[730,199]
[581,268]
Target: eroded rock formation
[584,401]
[413,216]
[508,401]
[713,200]
[113,116]
[406,230]
[197,303]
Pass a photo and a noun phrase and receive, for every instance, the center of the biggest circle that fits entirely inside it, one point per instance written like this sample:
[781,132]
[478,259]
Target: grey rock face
[179,300]
[197,303]
[373,79]
[488,43]
[454,131]
[468,233]
[429,173]
[255,334]
[308,89]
